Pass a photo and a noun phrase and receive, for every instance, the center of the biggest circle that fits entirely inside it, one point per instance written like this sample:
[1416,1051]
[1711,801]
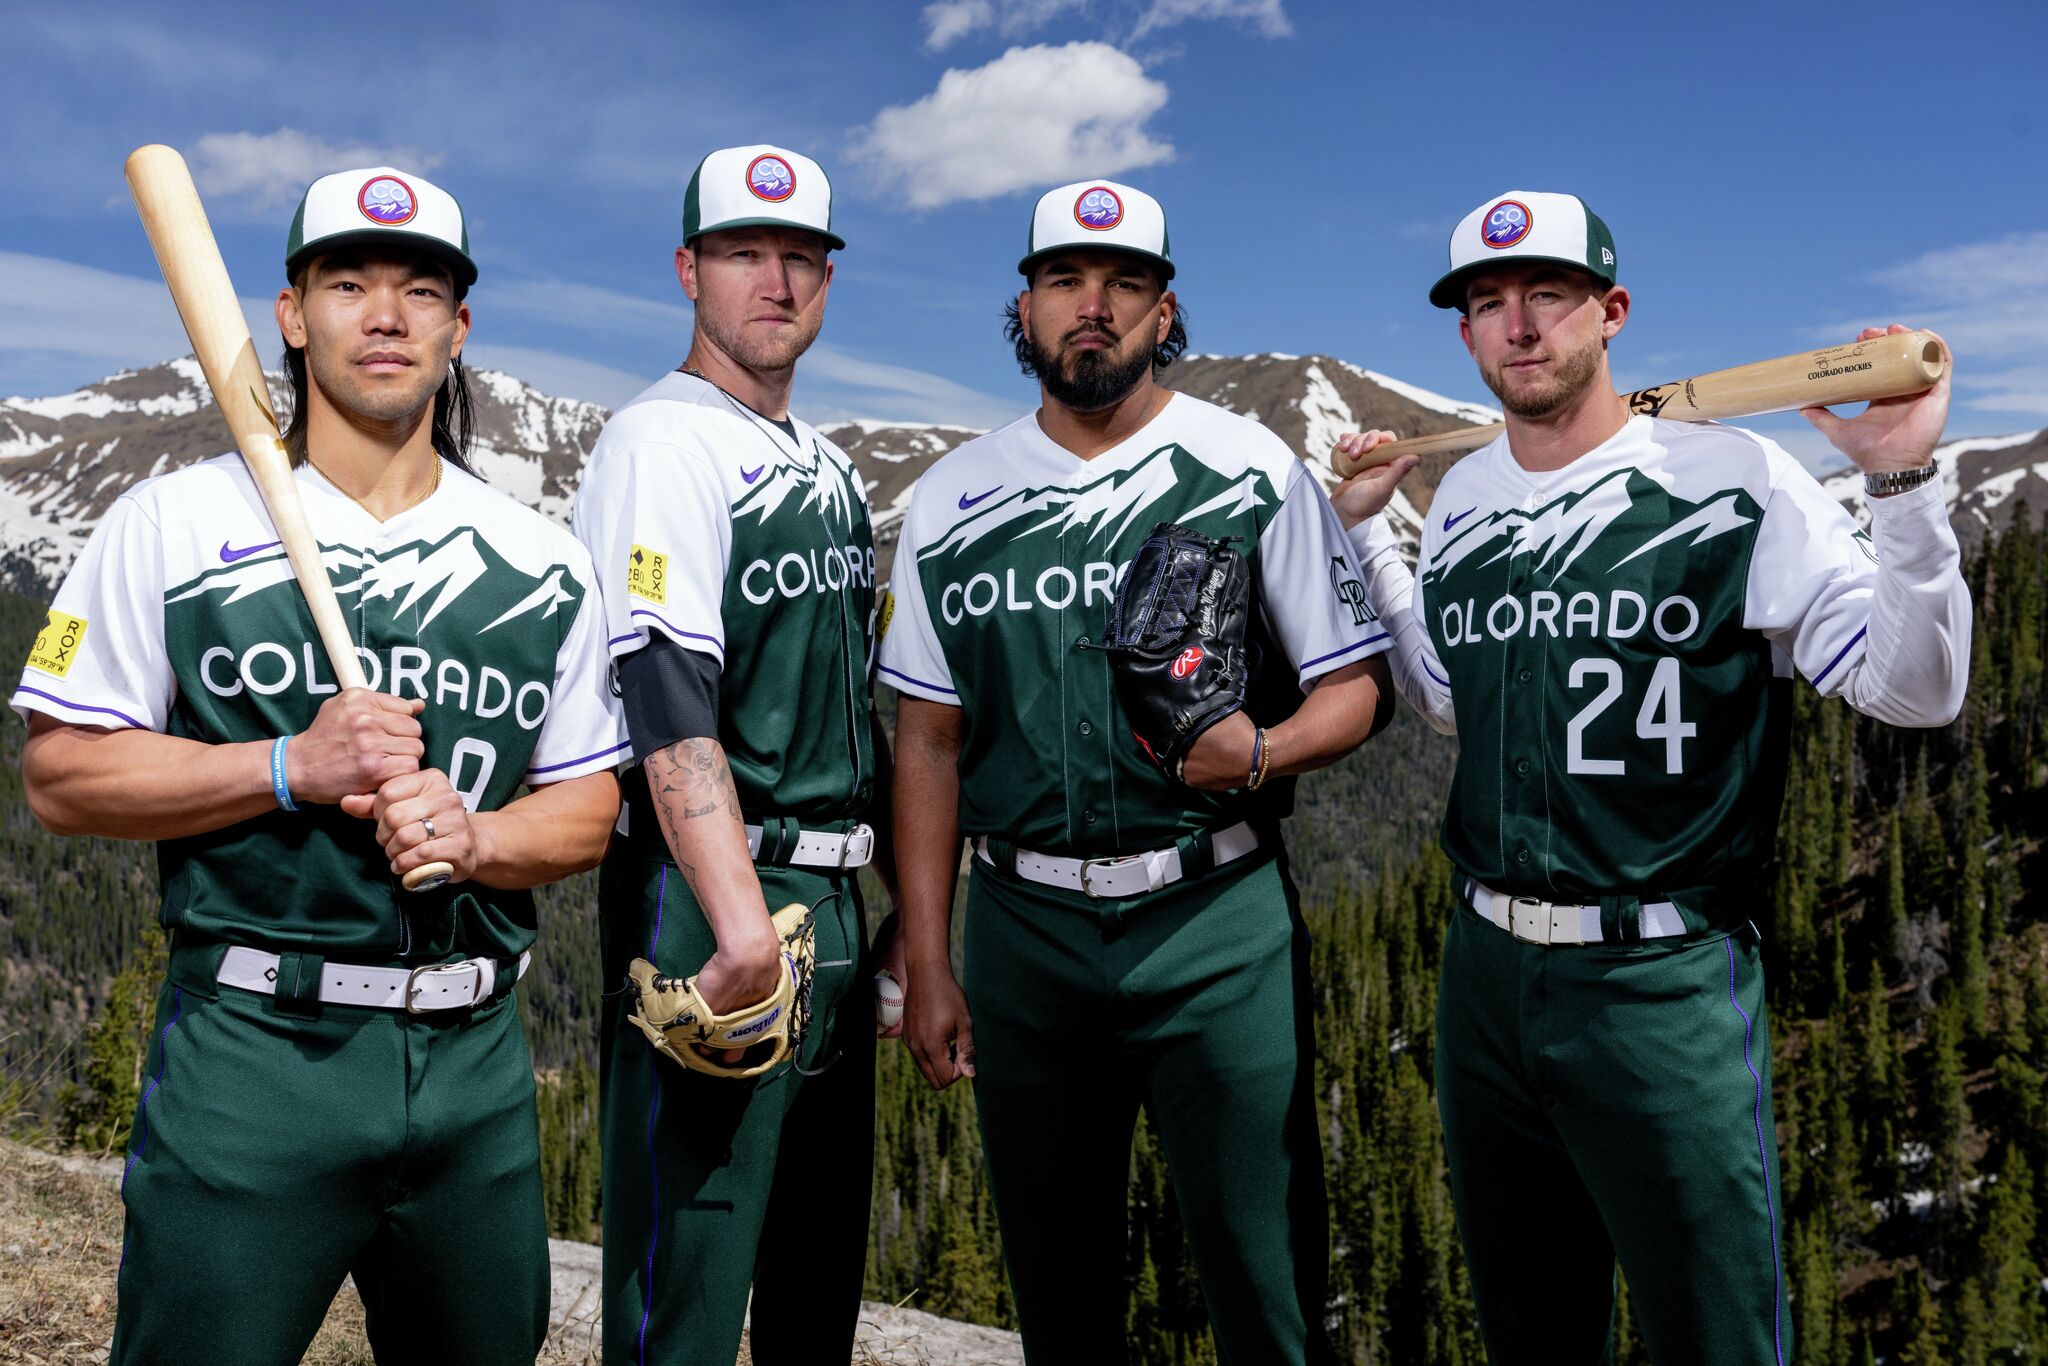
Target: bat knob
[429,877]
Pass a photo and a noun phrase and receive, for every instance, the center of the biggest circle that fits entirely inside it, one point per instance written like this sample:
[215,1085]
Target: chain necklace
[431,490]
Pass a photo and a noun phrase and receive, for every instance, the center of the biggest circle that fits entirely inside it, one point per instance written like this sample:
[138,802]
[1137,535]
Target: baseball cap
[380,206]
[758,186]
[1097,214]
[1525,225]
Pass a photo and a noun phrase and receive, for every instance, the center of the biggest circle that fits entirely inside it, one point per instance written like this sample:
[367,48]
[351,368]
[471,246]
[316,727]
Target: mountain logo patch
[1506,223]
[770,178]
[1098,209]
[387,200]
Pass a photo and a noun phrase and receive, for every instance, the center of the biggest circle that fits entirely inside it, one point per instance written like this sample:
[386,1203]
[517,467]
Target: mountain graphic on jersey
[828,488]
[1169,485]
[1626,515]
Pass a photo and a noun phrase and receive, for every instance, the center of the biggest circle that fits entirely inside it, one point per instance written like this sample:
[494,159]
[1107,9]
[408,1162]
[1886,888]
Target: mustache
[1091,330]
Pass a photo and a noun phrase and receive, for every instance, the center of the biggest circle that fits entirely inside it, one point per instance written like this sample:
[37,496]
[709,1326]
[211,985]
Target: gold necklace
[432,488]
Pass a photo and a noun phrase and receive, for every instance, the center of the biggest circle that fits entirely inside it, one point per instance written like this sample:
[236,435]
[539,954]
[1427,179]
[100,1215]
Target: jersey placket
[1085,759]
[1522,809]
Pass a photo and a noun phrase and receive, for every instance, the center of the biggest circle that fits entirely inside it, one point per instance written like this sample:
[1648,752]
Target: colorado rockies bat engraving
[190,259]
[1883,367]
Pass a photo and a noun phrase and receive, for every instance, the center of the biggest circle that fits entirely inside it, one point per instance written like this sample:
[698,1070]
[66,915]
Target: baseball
[888,1001]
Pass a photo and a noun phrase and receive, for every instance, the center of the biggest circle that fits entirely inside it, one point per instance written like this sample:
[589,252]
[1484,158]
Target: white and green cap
[1097,215]
[1525,225]
[380,206]
[758,186]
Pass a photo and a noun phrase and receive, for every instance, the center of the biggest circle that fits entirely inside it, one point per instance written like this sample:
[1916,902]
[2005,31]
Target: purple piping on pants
[1763,1157]
[162,1065]
[653,1171]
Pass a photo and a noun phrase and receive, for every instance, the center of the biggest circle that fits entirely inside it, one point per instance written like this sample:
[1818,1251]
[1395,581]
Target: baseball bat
[191,262]
[1896,364]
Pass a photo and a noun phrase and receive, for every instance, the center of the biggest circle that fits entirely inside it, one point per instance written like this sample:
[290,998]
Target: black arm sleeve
[669,694]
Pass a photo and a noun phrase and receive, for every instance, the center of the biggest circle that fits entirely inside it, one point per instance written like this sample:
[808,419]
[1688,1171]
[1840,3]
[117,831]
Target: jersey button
[1081,641]
[1522,768]
[1522,855]
[1086,728]
[1088,818]
[1525,675]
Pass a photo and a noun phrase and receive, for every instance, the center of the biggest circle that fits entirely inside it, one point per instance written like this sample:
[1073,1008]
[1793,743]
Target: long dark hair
[1163,355]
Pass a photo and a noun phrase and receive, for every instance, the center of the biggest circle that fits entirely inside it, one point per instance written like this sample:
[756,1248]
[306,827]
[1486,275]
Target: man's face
[1539,333]
[1092,319]
[760,292]
[378,331]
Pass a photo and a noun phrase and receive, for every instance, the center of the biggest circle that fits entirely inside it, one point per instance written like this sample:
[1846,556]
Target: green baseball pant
[1604,1103]
[704,1177]
[1194,1002]
[281,1145]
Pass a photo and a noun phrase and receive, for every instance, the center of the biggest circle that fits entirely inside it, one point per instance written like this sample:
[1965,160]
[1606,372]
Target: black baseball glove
[1176,640]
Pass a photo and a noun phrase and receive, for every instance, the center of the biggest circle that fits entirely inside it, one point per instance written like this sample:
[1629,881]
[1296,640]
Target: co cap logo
[770,178]
[1506,223]
[1098,209]
[387,200]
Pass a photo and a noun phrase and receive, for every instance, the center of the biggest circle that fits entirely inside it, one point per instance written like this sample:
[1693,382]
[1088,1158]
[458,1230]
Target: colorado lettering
[1624,614]
[1056,587]
[268,669]
[792,575]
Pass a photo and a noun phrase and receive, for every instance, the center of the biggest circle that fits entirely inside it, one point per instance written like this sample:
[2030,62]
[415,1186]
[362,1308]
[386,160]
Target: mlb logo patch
[769,177]
[56,645]
[1505,224]
[647,574]
[387,201]
[1099,209]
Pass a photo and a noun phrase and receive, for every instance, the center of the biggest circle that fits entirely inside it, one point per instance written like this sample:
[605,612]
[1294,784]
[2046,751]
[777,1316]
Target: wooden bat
[190,259]
[1883,367]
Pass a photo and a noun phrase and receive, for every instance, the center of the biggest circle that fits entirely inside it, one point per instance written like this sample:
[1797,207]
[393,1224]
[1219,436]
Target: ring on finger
[428,824]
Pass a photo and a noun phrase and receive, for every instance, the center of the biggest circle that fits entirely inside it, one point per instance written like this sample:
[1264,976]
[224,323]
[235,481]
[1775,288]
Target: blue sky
[1775,175]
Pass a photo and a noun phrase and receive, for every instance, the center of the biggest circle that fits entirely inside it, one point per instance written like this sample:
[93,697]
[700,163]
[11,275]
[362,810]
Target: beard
[1572,373]
[761,355]
[1089,381]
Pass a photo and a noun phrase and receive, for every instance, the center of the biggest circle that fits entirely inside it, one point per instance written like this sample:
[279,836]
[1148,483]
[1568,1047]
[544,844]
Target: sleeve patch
[1349,591]
[56,646]
[884,614]
[647,574]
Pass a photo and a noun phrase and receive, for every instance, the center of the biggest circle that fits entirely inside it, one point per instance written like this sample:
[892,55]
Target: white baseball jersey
[1009,559]
[1610,642]
[182,616]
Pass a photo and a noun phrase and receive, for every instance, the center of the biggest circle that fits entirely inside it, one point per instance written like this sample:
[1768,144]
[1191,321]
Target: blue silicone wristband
[278,785]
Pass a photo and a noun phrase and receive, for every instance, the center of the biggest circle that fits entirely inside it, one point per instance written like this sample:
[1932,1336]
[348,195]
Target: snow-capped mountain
[1987,478]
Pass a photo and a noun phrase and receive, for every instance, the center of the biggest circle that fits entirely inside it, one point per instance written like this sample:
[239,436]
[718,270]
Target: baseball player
[1132,938]
[737,565]
[337,1082]
[1608,612]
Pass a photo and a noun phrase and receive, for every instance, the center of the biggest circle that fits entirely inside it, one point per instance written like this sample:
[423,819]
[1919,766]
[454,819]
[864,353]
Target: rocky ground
[60,1242]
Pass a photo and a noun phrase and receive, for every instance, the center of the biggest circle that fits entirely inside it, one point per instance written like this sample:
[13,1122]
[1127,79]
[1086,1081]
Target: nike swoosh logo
[1450,522]
[751,475]
[966,502]
[228,556]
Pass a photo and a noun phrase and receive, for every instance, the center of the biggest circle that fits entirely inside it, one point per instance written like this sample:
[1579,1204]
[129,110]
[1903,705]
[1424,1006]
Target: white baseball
[888,1001]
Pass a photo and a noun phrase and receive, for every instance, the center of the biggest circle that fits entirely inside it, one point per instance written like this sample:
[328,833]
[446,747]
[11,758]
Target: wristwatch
[1896,481]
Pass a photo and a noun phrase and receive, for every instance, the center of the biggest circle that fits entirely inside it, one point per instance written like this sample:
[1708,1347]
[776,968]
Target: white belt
[1553,922]
[435,986]
[1126,874]
[823,848]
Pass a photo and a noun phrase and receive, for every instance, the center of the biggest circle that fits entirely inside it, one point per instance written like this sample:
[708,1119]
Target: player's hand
[1892,433]
[1365,493]
[936,1024]
[742,971]
[890,958]
[405,806]
[1222,757]
[358,741]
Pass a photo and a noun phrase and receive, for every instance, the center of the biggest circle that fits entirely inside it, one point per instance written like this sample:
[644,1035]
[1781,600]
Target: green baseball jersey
[1616,642]
[714,527]
[182,616]
[1010,556]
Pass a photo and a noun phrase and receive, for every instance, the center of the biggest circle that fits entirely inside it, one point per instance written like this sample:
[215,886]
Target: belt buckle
[1533,912]
[412,988]
[1086,864]
[846,843]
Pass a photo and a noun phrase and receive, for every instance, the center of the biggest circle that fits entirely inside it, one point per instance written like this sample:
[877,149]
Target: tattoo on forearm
[692,779]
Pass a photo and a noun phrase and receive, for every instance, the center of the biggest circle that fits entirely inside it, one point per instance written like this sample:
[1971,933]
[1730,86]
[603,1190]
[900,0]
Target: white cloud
[1267,16]
[1032,117]
[833,384]
[1987,300]
[92,322]
[268,170]
[948,21]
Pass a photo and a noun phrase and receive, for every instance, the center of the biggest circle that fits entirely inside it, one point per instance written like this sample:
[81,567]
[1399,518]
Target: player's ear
[1024,311]
[1465,333]
[1168,303]
[291,320]
[686,272]
[1614,312]
[461,328]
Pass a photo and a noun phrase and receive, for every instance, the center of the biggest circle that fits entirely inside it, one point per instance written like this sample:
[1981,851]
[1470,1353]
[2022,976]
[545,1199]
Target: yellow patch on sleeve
[56,647]
[647,574]
[884,614]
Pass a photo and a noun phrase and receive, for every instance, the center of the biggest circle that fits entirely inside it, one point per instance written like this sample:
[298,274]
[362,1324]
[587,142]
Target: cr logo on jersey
[1506,223]
[1349,591]
[1186,662]
[1098,209]
[770,178]
[387,200]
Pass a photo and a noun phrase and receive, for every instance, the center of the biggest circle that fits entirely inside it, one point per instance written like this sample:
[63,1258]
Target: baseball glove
[685,1030]
[1176,640]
